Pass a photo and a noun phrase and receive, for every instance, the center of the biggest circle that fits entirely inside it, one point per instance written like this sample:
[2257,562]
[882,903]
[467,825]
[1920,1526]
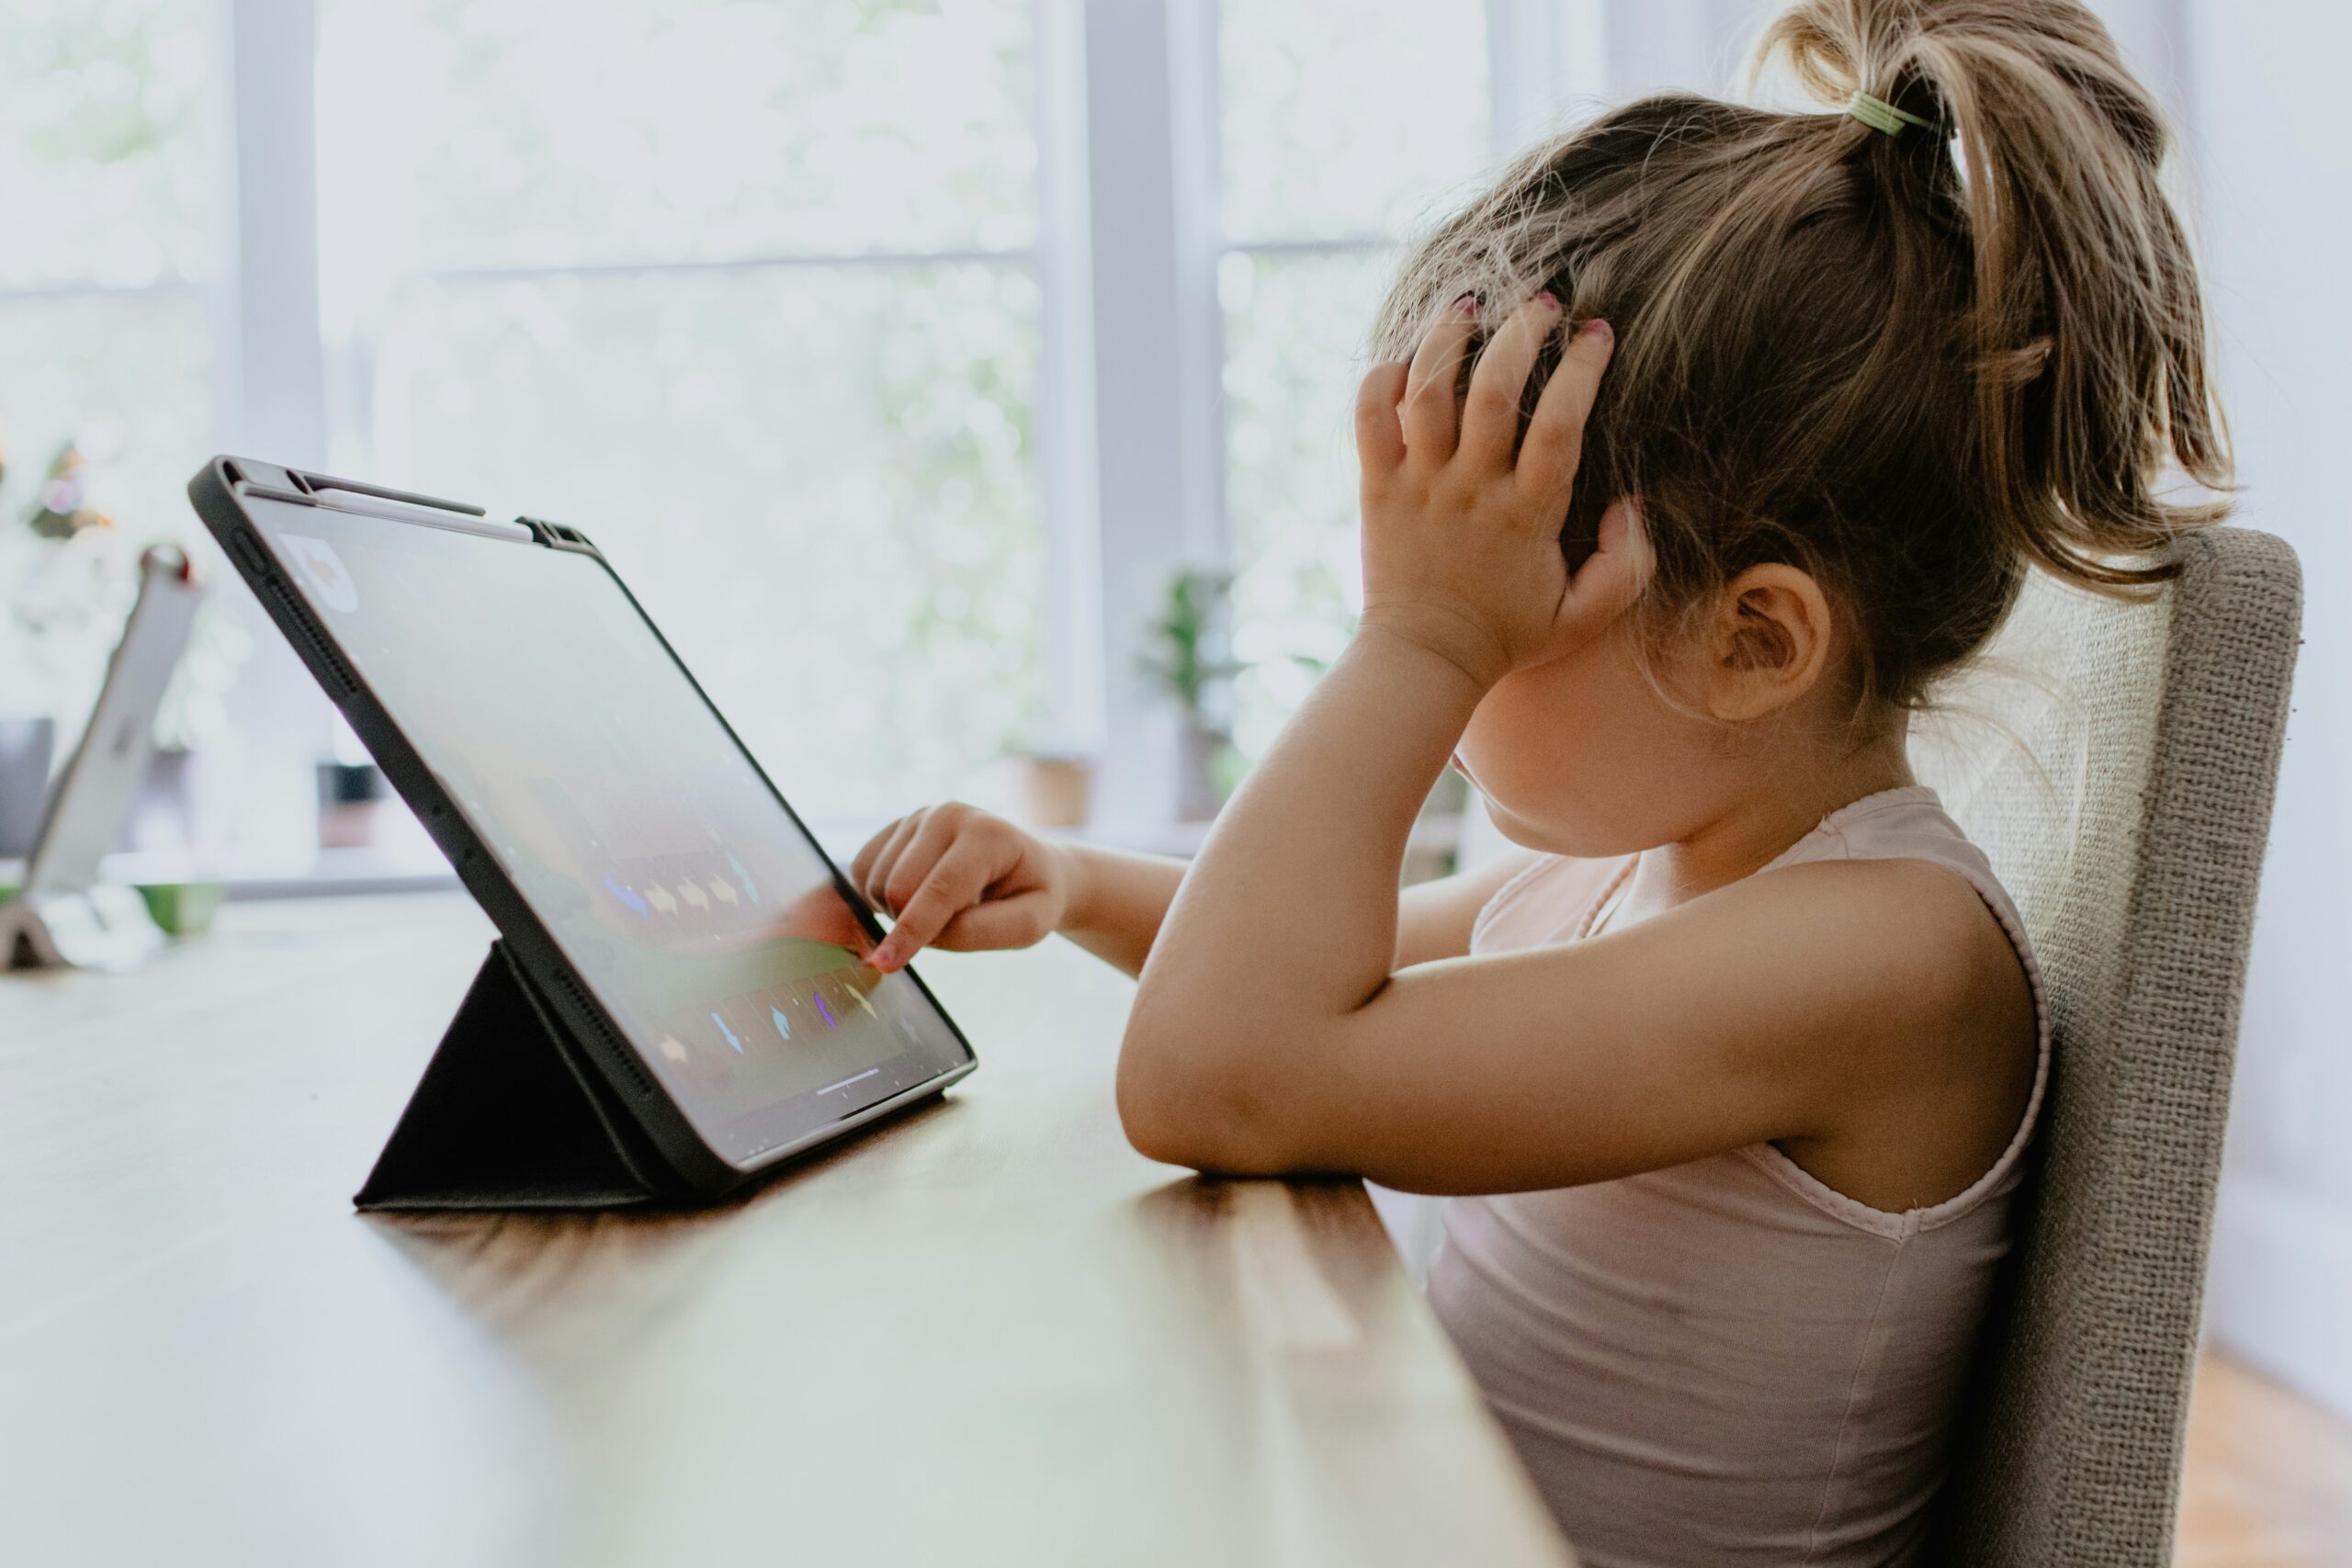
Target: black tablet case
[513,1112]
[510,1115]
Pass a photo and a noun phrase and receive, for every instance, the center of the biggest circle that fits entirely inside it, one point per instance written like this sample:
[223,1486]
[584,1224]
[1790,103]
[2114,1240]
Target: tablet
[66,913]
[671,911]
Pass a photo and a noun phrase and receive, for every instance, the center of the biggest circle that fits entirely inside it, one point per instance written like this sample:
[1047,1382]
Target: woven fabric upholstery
[2123,793]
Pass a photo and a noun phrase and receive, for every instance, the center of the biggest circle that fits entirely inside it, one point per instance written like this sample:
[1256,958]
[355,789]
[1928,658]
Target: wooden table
[990,1333]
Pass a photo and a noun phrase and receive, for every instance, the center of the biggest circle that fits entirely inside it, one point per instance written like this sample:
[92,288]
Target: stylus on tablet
[409,512]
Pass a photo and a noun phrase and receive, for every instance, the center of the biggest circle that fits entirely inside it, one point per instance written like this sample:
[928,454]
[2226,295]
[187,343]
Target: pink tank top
[1727,1362]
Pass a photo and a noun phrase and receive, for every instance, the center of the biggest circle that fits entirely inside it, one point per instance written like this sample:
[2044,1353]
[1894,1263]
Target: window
[108,160]
[798,305]
[749,292]
[1321,175]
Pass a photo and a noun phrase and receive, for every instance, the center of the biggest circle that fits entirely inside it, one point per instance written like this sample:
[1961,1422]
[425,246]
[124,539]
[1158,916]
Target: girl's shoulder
[1970,1062]
[1554,897]
[1910,825]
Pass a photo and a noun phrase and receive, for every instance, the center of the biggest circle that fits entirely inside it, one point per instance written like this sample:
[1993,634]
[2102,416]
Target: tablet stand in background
[509,1116]
[64,914]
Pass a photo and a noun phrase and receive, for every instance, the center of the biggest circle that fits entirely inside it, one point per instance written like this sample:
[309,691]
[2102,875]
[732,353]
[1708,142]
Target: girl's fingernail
[1467,305]
[1548,299]
[1599,331]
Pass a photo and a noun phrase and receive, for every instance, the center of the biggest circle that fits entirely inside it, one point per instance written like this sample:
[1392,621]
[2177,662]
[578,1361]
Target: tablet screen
[709,924]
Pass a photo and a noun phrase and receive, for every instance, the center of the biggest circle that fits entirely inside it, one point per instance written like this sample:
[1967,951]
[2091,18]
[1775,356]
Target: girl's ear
[1769,643]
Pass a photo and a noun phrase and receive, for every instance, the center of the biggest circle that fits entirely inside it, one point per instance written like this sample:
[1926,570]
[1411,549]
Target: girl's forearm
[1117,902]
[1288,919]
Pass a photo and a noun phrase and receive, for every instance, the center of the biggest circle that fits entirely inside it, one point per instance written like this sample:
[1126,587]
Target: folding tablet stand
[511,1115]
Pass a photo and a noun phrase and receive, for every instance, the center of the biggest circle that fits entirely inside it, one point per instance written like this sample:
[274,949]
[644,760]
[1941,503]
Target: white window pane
[106,171]
[108,181]
[818,479]
[624,131]
[1347,117]
[126,377]
[1294,330]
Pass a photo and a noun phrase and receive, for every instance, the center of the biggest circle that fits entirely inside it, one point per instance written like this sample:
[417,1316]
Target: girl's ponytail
[1911,347]
[2086,329]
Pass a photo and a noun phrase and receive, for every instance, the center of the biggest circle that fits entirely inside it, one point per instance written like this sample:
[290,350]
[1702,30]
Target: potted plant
[1192,660]
[1053,789]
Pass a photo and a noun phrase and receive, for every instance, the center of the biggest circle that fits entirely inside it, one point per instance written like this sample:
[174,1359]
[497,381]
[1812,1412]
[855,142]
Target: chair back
[2122,790]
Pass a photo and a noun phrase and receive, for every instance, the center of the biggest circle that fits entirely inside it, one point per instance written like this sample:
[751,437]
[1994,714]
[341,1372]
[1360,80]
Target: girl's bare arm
[957,877]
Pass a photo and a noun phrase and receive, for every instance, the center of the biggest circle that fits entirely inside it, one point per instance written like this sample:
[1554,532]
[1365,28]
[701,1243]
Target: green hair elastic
[1880,115]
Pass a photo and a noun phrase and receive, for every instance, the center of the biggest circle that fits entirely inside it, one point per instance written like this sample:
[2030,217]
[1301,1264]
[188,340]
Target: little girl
[1707,441]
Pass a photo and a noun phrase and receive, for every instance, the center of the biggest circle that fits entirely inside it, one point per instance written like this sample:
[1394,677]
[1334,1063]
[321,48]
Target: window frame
[1541,56]
[1131,468]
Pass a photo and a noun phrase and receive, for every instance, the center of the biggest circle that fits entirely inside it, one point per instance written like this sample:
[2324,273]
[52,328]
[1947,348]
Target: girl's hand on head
[1461,539]
[956,877]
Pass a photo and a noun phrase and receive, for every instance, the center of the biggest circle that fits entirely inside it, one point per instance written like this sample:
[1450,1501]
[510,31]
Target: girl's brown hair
[1909,363]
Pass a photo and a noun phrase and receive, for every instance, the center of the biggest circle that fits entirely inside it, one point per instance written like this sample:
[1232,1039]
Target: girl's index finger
[953,885]
[1547,460]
